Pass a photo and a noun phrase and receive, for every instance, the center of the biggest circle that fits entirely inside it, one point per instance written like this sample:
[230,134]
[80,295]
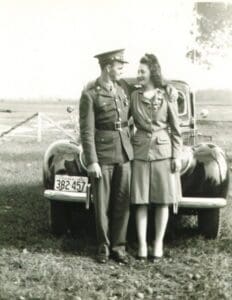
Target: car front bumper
[186,202]
[198,203]
[69,196]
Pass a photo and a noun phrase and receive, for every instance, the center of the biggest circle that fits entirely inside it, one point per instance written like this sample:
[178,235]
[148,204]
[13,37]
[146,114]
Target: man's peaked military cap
[111,56]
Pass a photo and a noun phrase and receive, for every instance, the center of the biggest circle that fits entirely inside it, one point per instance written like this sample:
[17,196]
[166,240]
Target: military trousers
[112,202]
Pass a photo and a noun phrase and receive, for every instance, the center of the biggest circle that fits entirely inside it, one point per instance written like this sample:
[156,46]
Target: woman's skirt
[153,182]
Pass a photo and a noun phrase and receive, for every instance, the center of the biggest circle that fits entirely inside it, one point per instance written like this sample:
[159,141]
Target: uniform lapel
[102,89]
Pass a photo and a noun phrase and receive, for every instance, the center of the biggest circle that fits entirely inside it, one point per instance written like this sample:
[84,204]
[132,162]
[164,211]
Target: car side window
[181,103]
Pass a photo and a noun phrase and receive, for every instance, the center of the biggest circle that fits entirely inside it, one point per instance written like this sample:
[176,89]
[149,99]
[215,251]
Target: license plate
[66,183]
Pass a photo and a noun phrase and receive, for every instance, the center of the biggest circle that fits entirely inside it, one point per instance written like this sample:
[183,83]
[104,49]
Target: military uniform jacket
[99,108]
[158,134]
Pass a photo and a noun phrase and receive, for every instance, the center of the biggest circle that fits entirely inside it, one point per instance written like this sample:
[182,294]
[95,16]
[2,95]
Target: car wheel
[58,217]
[209,222]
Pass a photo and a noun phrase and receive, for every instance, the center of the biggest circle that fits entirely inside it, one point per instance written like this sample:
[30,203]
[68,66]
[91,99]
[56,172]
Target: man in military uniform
[105,137]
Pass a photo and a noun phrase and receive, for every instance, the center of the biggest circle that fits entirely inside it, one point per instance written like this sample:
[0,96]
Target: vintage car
[204,175]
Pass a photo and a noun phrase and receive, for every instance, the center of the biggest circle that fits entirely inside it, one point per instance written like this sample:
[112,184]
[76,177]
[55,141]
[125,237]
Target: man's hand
[94,170]
[172,92]
[175,165]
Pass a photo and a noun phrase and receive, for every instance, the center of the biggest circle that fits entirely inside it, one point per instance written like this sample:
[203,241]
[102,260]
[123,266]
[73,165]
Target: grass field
[36,265]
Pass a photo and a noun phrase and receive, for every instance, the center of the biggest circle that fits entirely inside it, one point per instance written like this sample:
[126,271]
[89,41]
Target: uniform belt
[116,126]
[140,131]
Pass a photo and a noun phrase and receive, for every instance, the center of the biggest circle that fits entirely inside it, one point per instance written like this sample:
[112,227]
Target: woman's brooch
[158,100]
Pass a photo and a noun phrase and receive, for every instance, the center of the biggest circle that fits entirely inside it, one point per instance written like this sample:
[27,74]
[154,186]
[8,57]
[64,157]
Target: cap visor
[122,61]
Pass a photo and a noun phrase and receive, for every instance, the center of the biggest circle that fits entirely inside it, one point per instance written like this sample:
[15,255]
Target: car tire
[58,217]
[209,222]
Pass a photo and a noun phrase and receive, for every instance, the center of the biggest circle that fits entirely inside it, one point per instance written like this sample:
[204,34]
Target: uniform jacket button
[149,134]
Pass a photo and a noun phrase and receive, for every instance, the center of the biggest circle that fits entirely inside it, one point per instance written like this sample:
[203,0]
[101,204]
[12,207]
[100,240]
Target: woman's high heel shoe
[142,253]
[157,251]
[141,258]
[155,259]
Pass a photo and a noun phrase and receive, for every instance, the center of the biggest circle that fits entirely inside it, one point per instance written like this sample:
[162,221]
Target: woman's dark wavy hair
[155,69]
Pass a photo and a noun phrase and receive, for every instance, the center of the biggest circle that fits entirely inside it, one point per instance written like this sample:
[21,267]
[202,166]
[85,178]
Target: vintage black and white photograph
[115,150]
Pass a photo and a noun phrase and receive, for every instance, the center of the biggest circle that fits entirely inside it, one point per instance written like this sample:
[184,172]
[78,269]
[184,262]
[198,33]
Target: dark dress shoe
[120,257]
[103,254]
[102,258]
[141,258]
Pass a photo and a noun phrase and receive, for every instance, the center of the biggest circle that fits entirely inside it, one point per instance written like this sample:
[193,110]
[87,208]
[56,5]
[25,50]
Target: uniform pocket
[104,140]
[104,105]
[135,140]
[104,146]
[163,140]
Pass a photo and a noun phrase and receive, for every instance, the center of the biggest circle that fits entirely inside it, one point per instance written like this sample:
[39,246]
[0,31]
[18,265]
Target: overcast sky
[47,46]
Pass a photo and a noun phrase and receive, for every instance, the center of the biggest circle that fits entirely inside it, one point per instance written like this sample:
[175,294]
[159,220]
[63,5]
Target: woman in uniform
[157,145]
